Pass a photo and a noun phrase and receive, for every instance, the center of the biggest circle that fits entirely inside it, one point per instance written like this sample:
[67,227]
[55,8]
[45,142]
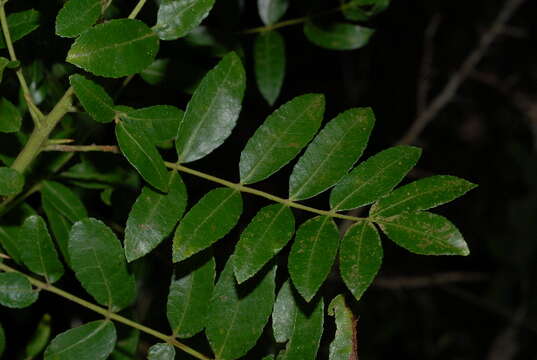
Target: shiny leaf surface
[338,36]
[63,200]
[21,24]
[16,291]
[76,16]
[162,351]
[271,11]
[176,18]
[93,98]
[160,121]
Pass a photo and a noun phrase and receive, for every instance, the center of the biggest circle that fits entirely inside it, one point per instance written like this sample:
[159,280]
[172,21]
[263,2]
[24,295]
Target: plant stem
[137,9]
[35,113]
[106,313]
[81,148]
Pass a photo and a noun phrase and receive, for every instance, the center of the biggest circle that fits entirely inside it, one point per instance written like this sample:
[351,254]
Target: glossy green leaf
[77,16]
[37,249]
[298,324]
[99,264]
[343,347]
[60,227]
[424,233]
[331,153]
[153,217]
[238,313]
[176,18]
[142,153]
[63,200]
[312,254]
[20,24]
[360,257]
[2,340]
[91,341]
[9,240]
[11,181]
[117,48]
[3,64]
[338,36]
[281,137]
[162,351]
[271,11]
[39,339]
[93,98]
[268,232]
[269,59]
[374,177]
[422,194]
[161,121]
[190,292]
[213,111]
[10,117]
[156,72]
[16,291]
[208,221]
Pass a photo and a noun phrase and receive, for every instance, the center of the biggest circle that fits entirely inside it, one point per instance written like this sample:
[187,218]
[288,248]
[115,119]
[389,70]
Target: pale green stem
[137,9]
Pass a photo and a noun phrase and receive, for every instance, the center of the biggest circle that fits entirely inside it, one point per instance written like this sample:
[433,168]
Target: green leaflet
[60,227]
[161,121]
[3,63]
[156,72]
[298,324]
[362,10]
[424,233]
[281,137]
[16,291]
[374,177]
[331,153]
[20,24]
[117,48]
[9,236]
[10,117]
[176,18]
[238,313]
[213,110]
[142,153]
[63,200]
[93,98]
[338,36]
[208,221]
[92,341]
[153,217]
[39,339]
[268,232]
[11,181]
[2,340]
[161,351]
[343,347]
[99,264]
[76,16]
[422,194]
[190,292]
[360,257]
[312,254]
[271,11]
[37,249]
[269,60]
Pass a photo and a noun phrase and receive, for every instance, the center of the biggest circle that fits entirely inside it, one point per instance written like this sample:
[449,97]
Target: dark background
[477,307]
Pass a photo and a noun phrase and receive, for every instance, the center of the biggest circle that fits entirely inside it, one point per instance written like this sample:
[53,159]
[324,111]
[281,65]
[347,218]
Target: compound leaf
[312,254]
[343,347]
[360,257]
[93,98]
[117,48]
[213,110]
[37,249]
[271,11]
[153,217]
[10,117]
[16,291]
[331,153]
[374,177]
[63,200]
[161,351]
[281,137]
[208,221]
[11,181]
[21,24]
[424,233]
[298,324]
[142,153]
[76,16]
[422,194]
[92,341]
[99,264]
[190,292]
[238,313]
[176,18]
[268,232]
[269,60]
[338,36]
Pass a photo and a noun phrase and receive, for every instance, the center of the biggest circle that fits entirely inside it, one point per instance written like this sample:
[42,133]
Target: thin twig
[81,148]
[468,65]
[424,80]
[415,282]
